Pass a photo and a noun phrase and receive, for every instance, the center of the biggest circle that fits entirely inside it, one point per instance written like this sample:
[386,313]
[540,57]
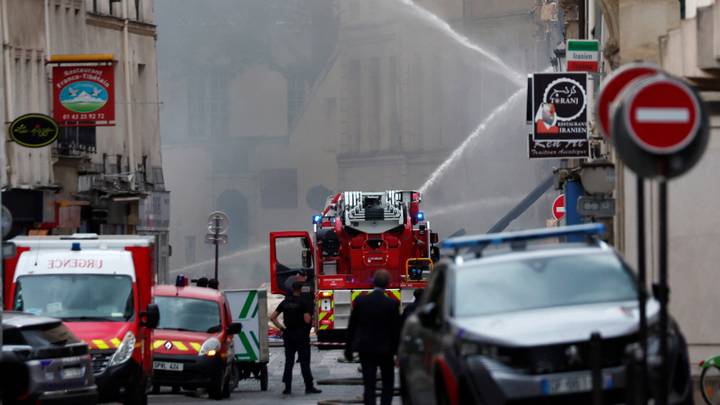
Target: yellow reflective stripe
[322,315]
[196,346]
[180,346]
[158,343]
[396,293]
[324,327]
[100,344]
[354,295]
[115,342]
[331,318]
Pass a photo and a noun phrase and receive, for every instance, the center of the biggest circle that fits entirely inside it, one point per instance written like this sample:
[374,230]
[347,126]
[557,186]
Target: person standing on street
[411,307]
[374,332]
[296,339]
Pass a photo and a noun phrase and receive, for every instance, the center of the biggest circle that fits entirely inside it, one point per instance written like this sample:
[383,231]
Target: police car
[505,320]
[193,343]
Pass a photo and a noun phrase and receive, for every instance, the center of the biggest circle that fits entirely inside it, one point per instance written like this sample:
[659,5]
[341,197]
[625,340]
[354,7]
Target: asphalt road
[325,366]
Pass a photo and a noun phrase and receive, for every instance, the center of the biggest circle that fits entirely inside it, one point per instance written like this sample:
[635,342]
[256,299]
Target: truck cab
[100,287]
[193,344]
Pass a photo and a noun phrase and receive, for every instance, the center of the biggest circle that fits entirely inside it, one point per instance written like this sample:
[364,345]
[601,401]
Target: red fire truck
[356,234]
[100,286]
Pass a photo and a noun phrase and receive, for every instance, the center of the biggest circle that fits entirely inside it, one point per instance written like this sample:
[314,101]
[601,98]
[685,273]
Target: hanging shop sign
[83,95]
[583,55]
[560,106]
[34,130]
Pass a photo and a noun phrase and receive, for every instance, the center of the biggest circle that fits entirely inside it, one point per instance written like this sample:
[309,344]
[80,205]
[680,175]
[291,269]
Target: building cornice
[116,23]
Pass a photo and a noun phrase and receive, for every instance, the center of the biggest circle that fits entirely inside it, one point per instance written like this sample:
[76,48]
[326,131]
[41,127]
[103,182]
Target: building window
[138,10]
[190,249]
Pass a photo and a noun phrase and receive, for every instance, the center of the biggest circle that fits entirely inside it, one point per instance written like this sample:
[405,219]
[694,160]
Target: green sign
[583,55]
[34,130]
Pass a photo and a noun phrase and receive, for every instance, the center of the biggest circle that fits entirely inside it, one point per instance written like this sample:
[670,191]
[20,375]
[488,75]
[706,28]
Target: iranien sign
[34,130]
[583,55]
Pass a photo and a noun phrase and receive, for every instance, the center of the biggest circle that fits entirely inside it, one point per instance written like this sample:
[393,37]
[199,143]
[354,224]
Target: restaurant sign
[84,95]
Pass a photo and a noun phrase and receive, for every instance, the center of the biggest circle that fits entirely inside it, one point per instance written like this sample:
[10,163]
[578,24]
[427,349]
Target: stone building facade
[92,179]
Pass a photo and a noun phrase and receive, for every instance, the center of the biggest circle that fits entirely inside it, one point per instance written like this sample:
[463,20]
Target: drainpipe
[128,94]
[7,88]
[47,30]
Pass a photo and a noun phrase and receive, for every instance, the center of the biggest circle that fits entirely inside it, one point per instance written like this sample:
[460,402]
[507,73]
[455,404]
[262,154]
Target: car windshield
[540,282]
[89,297]
[188,314]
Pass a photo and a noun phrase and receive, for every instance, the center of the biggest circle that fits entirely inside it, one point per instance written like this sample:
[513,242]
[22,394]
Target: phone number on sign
[87,116]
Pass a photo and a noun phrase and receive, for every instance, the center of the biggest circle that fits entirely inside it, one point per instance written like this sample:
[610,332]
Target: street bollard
[596,363]
[634,394]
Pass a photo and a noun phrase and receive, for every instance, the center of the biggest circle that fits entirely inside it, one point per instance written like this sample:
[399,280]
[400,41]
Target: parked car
[193,344]
[506,322]
[54,363]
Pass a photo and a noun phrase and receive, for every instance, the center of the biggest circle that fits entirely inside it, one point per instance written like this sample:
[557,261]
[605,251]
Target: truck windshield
[76,297]
[188,314]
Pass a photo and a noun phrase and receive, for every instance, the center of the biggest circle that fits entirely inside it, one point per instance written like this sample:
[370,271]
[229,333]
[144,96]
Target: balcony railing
[76,142]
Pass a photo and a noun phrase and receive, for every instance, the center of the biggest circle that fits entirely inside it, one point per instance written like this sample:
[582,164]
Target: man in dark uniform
[373,332]
[296,316]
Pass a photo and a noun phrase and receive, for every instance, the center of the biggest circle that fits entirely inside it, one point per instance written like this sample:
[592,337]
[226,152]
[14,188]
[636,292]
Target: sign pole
[217,245]
[642,284]
[663,290]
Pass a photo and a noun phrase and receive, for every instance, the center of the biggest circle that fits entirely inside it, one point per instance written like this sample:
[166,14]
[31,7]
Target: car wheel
[136,393]
[216,388]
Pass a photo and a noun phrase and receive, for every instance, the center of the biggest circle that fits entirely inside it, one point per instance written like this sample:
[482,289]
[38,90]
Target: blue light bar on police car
[475,241]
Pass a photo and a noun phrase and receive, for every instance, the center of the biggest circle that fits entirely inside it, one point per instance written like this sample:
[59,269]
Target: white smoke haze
[271,105]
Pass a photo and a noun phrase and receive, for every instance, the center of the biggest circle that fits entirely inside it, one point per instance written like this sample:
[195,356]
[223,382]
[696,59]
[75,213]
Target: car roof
[535,252]
[202,293]
[13,319]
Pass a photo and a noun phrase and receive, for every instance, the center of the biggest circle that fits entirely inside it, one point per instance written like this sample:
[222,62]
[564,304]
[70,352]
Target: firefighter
[297,315]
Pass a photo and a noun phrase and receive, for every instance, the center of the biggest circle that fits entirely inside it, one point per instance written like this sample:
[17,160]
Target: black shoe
[312,390]
[287,390]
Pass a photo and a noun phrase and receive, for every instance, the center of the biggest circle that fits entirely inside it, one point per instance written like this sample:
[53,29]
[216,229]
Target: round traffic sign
[659,126]
[558,207]
[218,222]
[663,115]
[613,85]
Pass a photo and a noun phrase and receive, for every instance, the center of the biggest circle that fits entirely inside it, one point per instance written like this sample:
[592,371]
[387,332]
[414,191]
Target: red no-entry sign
[558,207]
[658,126]
[663,116]
[613,86]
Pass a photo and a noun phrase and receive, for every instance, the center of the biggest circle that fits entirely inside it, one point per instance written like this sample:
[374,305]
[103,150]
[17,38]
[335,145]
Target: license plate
[167,365]
[571,383]
[72,373]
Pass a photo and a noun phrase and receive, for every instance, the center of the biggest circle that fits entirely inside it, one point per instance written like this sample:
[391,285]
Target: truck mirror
[435,254]
[234,328]
[151,316]
[433,238]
